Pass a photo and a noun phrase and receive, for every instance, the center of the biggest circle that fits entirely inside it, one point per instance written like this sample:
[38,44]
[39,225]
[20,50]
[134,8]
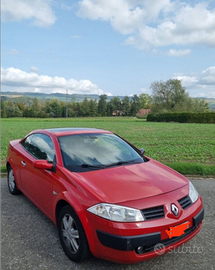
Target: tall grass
[188,148]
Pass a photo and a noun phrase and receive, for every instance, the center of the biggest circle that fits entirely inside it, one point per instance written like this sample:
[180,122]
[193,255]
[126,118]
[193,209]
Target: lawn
[188,148]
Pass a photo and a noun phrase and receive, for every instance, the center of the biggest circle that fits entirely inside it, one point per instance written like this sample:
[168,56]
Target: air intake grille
[185,202]
[153,213]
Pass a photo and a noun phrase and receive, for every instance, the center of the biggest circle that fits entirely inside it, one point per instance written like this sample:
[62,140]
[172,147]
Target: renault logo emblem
[174,209]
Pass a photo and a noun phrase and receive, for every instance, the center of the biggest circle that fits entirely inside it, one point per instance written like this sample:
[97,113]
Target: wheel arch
[10,164]
[58,208]
[81,215]
[74,204]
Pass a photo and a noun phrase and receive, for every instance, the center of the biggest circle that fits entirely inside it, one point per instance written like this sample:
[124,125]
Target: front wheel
[11,182]
[72,235]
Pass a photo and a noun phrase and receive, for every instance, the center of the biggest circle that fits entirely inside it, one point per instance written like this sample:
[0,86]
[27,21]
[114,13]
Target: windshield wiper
[121,163]
[85,165]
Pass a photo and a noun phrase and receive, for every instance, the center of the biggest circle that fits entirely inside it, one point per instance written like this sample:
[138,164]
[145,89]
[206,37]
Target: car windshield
[84,152]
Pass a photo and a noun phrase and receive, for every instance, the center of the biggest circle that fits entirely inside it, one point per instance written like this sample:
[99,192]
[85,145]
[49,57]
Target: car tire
[12,182]
[72,236]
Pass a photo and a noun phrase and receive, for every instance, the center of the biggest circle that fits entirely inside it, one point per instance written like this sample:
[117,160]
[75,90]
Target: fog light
[140,250]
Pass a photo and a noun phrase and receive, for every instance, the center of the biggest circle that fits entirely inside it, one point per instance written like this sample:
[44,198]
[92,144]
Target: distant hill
[59,96]
[73,97]
[43,96]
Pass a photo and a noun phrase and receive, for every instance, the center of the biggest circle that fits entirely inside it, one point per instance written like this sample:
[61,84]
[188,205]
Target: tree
[135,105]
[85,107]
[145,101]
[113,105]
[17,112]
[21,106]
[71,109]
[27,112]
[77,108]
[3,111]
[54,108]
[126,105]
[93,107]
[35,108]
[63,109]
[199,105]
[102,105]
[168,96]
[10,109]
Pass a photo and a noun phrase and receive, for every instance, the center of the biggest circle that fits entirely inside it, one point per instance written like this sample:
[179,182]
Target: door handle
[23,163]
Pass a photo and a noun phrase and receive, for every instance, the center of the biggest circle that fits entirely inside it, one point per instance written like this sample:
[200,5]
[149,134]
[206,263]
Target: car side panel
[67,189]
[13,158]
[36,184]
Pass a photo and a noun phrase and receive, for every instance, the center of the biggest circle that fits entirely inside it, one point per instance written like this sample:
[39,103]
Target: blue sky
[116,47]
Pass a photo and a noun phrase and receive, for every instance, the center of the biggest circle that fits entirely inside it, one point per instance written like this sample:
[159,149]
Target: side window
[40,146]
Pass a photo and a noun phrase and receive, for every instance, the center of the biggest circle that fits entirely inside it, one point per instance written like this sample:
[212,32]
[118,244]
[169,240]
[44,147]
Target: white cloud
[145,91]
[208,76]
[123,15]
[34,69]
[39,11]
[13,52]
[178,53]
[199,85]
[66,7]
[18,80]
[155,23]
[187,81]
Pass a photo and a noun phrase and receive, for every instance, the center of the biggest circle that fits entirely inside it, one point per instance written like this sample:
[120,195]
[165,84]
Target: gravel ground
[29,240]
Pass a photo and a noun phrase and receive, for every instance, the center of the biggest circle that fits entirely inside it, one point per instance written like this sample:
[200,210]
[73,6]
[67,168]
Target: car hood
[132,182]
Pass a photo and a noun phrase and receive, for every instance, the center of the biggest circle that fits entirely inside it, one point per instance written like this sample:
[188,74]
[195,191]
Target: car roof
[72,131]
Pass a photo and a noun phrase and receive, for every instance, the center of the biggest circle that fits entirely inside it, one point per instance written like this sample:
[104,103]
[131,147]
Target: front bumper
[146,241]
[134,242]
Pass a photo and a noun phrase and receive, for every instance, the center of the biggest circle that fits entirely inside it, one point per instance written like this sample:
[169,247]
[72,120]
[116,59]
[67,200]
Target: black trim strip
[147,241]
[128,243]
[198,218]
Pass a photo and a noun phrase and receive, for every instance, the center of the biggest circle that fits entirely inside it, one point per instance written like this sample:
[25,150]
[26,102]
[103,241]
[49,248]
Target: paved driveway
[30,241]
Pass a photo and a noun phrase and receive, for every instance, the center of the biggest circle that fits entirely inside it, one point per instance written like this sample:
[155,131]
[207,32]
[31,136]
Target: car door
[37,184]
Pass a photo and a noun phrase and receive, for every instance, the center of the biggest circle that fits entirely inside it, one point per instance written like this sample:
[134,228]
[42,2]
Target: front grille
[185,202]
[167,242]
[170,241]
[153,213]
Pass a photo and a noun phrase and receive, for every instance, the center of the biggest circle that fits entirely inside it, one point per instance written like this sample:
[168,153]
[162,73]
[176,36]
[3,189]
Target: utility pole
[66,103]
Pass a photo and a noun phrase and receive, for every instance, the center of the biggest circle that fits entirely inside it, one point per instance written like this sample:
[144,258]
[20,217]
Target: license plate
[178,230]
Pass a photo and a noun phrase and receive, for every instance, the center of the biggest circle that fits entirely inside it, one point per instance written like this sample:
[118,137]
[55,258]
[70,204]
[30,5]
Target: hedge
[185,117]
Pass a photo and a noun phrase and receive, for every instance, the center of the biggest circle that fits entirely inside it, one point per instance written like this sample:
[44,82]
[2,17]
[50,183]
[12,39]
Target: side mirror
[142,151]
[42,164]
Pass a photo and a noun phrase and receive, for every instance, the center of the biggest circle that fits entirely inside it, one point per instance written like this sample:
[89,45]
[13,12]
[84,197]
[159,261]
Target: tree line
[167,96]
[33,107]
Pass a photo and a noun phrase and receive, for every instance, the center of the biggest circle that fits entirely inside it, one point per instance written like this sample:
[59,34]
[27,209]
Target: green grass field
[188,148]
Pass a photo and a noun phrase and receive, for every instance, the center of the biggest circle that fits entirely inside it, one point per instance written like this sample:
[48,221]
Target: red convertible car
[103,194]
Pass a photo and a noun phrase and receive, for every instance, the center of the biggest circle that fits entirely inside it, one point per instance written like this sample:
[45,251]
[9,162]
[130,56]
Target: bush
[193,168]
[185,117]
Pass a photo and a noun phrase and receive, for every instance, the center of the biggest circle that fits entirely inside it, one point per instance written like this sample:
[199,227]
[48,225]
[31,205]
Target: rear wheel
[72,235]
[12,182]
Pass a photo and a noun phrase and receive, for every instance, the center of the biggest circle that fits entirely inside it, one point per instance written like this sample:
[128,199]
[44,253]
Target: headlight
[193,193]
[116,212]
